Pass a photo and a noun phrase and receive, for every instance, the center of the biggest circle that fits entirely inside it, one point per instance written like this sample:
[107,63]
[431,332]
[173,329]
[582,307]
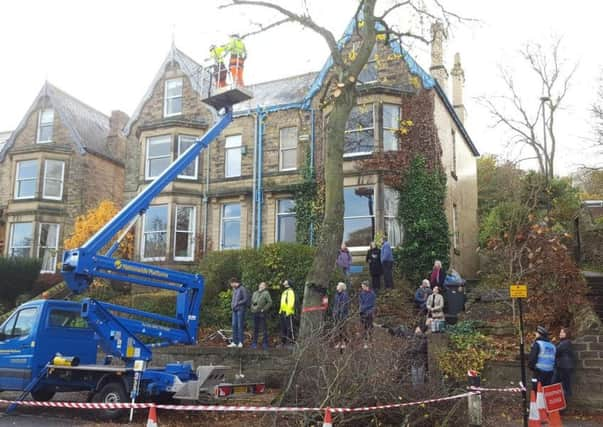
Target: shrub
[17,276]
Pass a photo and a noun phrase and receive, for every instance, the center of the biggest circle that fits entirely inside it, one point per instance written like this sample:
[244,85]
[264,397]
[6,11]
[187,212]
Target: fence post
[474,401]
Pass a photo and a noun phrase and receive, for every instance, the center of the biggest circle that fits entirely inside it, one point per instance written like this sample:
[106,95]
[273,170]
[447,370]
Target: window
[453,166]
[26,179]
[158,155]
[21,324]
[21,239]
[48,246]
[45,123]
[66,319]
[154,239]
[53,179]
[184,142]
[231,226]
[391,120]
[456,235]
[172,98]
[392,225]
[359,216]
[184,241]
[360,131]
[288,150]
[232,156]
[285,220]
[369,73]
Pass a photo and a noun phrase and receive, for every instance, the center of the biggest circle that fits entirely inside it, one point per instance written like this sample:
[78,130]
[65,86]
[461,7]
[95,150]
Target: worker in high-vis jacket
[542,357]
[286,312]
[236,48]
[218,53]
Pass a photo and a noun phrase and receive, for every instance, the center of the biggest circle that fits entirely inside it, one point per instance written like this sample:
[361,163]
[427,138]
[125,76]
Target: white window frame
[456,235]
[280,215]
[62,180]
[51,124]
[385,129]
[147,160]
[35,179]
[374,216]
[166,98]
[196,160]
[55,247]
[232,150]
[392,216]
[362,153]
[190,232]
[11,245]
[282,150]
[372,61]
[230,218]
[167,235]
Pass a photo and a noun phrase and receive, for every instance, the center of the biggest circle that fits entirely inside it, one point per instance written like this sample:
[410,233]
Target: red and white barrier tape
[223,408]
[504,390]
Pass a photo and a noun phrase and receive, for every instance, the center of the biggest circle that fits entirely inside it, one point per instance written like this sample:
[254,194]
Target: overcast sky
[106,53]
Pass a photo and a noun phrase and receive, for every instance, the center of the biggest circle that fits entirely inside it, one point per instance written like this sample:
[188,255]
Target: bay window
[391,121]
[390,215]
[359,216]
[184,239]
[155,226]
[26,179]
[48,246]
[360,131]
[54,171]
[184,143]
[21,239]
[158,156]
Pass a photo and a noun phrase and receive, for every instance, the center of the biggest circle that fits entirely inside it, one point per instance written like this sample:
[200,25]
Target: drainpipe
[206,201]
[254,181]
[312,133]
[260,194]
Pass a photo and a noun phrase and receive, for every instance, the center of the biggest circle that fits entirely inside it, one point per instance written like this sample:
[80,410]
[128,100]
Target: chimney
[116,140]
[458,81]
[437,69]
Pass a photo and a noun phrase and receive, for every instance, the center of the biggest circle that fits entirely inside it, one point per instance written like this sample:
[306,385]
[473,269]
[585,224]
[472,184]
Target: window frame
[167,98]
[372,62]
[190,232]
[456,234]
[45,124]
[280,215]
[223,219]
[17,316]
[389,216]
[282,150]
[11,245]
[62,180]
[373,128]
[373,216]
[196,160]
[386,129]
[18,180]
[166,231]
[228,150]
[55,247]
[147,164]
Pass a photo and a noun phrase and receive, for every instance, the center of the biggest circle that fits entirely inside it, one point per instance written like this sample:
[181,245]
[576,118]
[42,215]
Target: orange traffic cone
[544,418]
[327,422]
[534,419]
[555,419]
[152,419]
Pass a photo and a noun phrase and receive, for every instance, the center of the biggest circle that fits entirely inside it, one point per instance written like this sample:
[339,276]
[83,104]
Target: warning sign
[518,291]
[554,398]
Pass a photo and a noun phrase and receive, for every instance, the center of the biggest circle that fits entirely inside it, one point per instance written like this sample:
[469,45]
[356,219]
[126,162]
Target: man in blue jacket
[387,262]
[542,357]
[367,310]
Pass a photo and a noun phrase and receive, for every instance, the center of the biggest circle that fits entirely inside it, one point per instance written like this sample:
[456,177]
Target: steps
[594,280]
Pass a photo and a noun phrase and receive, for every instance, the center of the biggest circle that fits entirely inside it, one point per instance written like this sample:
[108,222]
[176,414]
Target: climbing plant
[309,204]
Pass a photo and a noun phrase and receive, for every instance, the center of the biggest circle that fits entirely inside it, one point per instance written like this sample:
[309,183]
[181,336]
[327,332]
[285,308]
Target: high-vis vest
[236,47]
[218,53]
[546,356]
[287,302]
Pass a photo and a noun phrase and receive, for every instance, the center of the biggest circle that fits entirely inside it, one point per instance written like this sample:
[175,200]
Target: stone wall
[271,367]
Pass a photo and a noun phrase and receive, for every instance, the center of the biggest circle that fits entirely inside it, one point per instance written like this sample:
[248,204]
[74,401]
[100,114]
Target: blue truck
[50,346]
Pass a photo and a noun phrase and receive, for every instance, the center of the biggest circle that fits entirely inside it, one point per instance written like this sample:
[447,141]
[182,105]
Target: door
[17,346]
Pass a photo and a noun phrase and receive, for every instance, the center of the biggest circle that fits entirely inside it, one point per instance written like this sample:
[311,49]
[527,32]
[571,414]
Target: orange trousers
[236,70]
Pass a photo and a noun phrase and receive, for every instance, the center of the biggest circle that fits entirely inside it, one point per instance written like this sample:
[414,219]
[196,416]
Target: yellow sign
[518,291]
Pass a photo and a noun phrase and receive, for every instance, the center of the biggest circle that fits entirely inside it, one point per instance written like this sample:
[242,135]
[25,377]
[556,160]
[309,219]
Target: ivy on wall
[309,204]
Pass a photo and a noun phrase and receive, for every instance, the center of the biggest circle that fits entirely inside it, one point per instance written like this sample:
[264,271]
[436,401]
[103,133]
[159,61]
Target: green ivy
[421,211]
[308,205]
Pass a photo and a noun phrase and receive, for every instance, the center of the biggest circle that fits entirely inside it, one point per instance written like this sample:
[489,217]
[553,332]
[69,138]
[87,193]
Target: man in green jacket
[260,304]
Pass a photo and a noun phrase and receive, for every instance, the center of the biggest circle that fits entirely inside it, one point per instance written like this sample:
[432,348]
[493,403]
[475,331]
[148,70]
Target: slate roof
[3,138]
[88,127]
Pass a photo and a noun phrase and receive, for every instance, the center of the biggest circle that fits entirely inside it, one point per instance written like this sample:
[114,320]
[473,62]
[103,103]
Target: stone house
[239,193]
[62,159]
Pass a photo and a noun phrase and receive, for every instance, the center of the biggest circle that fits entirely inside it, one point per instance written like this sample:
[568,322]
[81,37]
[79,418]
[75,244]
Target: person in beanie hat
[542,357]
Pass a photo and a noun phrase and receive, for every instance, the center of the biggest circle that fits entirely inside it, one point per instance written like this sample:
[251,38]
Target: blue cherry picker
[49,346]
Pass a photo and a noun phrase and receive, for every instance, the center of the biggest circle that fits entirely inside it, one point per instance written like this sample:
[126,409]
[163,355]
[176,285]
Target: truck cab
[35,333]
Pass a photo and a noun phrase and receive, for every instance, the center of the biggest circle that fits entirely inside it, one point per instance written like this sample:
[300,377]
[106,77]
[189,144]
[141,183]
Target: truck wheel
[42,395]
[112,392]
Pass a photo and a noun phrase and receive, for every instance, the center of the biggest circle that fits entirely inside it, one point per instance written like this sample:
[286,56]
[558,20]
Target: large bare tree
[597,110]
[530,96]
[371,24]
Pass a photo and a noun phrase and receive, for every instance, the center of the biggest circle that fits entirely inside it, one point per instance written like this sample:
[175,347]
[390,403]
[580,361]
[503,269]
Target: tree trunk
[331,234]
